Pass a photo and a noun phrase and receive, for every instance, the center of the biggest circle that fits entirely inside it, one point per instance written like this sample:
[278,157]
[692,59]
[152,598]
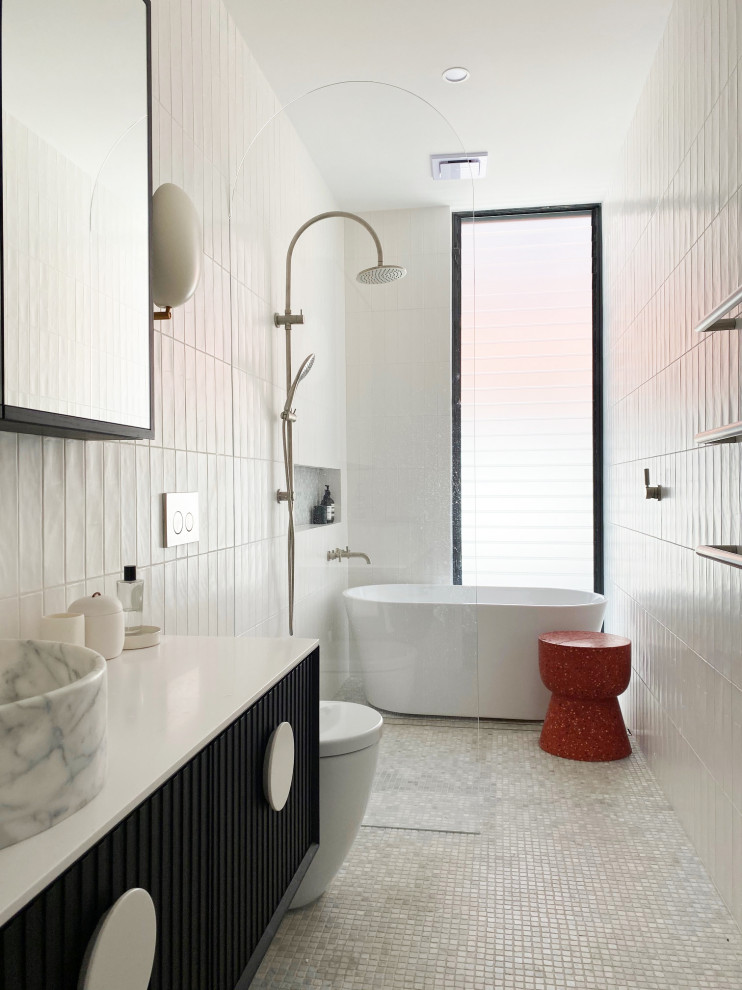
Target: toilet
[349,737]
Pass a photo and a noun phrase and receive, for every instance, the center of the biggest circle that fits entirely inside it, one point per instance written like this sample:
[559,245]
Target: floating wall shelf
[714,320]
[725,554]
[721,434]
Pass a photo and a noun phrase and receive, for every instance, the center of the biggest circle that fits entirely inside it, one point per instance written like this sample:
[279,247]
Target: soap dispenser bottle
[329,504]
[131,595]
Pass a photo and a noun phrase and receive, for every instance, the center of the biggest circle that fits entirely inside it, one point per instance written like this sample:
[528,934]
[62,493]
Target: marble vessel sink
[53,726]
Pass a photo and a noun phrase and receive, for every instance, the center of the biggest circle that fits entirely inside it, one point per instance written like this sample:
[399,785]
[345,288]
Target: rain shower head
[381,274]
[301,374]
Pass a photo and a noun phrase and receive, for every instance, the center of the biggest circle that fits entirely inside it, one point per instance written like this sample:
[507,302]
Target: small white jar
[104,623]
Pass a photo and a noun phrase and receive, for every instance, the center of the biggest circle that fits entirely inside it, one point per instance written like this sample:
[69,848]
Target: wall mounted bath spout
[340,554]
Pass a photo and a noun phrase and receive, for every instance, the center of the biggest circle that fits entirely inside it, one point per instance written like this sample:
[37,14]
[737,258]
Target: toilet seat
[345,727]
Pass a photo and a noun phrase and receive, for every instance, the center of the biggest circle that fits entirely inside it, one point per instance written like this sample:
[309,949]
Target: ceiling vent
[461,166]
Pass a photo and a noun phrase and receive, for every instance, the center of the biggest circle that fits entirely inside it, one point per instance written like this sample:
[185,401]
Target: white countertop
[164,704]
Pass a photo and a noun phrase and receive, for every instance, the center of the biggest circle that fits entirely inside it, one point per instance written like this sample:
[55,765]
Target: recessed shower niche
[309,485]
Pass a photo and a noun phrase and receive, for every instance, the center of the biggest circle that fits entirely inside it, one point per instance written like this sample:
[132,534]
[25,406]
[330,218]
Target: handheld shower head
[303,371]
[381,274]
[301,374]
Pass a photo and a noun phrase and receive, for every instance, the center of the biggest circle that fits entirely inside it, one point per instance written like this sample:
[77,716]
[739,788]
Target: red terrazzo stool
[585,671]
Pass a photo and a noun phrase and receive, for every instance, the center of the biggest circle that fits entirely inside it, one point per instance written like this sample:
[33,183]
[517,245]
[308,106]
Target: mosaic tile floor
[412,767]
[581,877]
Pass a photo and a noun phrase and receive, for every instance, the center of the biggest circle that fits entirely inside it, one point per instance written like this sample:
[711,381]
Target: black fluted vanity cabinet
[220,864]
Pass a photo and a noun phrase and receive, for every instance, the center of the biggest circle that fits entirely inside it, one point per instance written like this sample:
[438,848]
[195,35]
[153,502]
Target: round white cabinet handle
[278,767]
[120,954]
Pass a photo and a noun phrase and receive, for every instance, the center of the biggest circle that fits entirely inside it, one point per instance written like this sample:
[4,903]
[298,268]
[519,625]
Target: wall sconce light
[176,248]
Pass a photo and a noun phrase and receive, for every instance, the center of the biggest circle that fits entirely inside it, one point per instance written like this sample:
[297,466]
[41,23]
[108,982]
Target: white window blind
[526,402]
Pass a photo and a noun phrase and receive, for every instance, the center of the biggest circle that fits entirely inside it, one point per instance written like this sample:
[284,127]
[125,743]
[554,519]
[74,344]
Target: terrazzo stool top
[585,671]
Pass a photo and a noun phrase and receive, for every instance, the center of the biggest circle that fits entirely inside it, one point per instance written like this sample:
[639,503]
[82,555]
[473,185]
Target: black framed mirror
[76,354]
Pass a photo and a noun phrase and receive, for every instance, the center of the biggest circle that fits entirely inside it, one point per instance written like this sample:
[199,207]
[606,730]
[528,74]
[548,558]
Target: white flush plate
[179,518]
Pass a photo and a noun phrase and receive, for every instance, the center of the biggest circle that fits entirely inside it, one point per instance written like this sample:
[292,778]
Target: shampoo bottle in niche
[131,595]
[325,511]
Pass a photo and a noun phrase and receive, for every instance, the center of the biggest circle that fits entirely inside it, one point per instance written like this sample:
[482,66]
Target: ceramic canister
[104,623]
[63,627]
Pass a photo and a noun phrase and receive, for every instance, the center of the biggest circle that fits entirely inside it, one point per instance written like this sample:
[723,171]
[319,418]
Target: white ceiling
[552,92]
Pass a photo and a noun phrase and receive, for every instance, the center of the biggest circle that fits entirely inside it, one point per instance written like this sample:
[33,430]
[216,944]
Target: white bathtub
[430,649]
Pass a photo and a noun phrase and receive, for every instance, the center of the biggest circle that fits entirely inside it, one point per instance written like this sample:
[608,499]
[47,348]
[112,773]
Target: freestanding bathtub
[428,649]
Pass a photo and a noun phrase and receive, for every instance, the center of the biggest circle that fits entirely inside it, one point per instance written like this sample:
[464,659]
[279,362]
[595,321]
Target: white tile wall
[398,339]
[75,512]
[672,252]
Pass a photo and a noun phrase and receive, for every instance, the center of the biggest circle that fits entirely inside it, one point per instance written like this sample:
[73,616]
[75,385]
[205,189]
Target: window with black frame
[527,401]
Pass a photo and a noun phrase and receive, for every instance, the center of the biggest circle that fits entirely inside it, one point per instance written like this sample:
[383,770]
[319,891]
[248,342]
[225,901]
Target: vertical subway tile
[93,509]
[10,627]
[156,492]
[171,598]
[9,516]
[74,510]
[53,507]
[112,507]
[157,595]
[31,608]
[128,505]
[30,544]
[143,555]
[182,601]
